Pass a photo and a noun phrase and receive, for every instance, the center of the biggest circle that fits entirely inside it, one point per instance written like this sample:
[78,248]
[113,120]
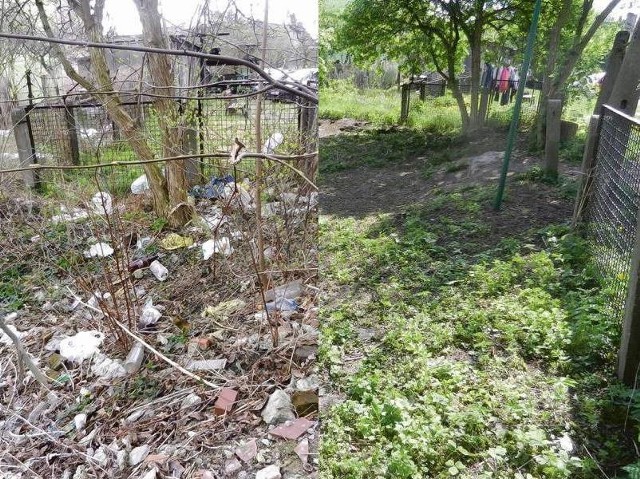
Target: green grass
[490,351]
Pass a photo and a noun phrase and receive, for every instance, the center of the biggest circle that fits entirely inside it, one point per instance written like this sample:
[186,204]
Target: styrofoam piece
[99,250]
[81,346]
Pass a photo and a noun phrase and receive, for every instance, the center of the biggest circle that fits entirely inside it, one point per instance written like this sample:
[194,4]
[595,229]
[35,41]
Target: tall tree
[436,34]
[574,26]
[169,194]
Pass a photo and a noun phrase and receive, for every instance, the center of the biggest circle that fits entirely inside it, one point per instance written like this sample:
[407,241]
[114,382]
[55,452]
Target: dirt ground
[363,191]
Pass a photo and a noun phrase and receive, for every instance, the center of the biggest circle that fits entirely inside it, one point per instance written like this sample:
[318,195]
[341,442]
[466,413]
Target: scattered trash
[138,454]
[151,474]
[4,337]
[134,358]
[100,456]
[278,409]
[135,416]
[102,203]
[80,421]
[99,250]
[210,247]
[140,185]
[224,403]
[190,401]
[69,215]
[175,241]
[143,242]
[81,346]
[247,452]
[239,193]
[212,190]
[206,365]
[141,262]
[150,315]
[566,443]
[290,290]
[305,402]
[159,271]
[269,472]
[224,310]
[282,304]
[273,142]
[292,431]
[107,368]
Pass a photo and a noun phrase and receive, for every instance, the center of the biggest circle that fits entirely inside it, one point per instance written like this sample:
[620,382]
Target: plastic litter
[143,242]
[150,315]
[175,241]
[102,203]
[141,262]
[273,142]
[222,246]
[107,368]
[5,339]
[140,185]
[290,290]
[99,250]
[69,215]
[212,190]
[81,346]
[282,304]
[134,358]
[159,271]
[206,365]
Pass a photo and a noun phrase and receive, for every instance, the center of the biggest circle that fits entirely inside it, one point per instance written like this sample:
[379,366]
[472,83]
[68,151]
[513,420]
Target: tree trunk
[168,117]
[132,131]
[459,97]
[476,73]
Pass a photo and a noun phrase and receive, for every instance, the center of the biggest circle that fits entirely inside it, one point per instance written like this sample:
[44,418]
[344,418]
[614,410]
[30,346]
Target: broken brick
[226,399]
[293,431]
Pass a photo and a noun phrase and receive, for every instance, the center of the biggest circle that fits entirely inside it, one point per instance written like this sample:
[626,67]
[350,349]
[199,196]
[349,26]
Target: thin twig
[148,346]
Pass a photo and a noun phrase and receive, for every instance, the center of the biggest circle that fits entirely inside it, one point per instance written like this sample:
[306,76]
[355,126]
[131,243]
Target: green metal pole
[513,129]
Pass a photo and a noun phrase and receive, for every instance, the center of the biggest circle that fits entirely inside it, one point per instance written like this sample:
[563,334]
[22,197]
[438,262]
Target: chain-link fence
[613,202]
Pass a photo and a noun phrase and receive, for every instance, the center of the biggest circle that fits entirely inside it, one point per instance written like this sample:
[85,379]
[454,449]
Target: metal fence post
[19,118]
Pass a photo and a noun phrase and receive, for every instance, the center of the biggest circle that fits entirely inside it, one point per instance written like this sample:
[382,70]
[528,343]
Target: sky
[123,16]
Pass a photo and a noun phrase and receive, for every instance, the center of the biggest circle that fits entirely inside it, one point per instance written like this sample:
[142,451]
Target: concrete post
[629,353]
[25,146]
[552,145]
[624,95]
[616,56]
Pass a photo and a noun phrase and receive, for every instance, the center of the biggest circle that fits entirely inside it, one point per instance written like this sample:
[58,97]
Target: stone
[231,467]
[278,409]
[292,431]
[138,454]
[247,451]
[310,383]
[302,450]
[190,400]
[305,352]
[269,472]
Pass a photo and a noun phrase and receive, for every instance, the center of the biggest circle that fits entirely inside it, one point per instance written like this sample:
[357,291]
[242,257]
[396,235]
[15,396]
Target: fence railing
[609,209]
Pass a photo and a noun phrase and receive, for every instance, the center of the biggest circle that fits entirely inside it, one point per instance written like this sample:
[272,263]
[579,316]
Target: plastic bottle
[134,358]
[142,262]
[159,271]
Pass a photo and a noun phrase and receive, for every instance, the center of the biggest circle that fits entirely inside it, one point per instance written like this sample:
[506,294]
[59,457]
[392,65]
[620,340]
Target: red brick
[226,399]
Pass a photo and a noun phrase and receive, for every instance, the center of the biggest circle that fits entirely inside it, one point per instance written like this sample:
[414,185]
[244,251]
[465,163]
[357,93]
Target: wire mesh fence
[614,201]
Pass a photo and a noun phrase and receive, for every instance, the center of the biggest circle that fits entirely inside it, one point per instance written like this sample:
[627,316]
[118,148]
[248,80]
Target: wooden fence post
[629,353]
[19,118]
[404,103]
[552,145]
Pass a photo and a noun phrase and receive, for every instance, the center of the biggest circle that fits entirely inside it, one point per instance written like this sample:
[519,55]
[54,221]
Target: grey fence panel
[613,202]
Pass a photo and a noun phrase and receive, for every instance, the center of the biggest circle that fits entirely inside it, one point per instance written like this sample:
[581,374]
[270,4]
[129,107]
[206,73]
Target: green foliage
[490,353]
